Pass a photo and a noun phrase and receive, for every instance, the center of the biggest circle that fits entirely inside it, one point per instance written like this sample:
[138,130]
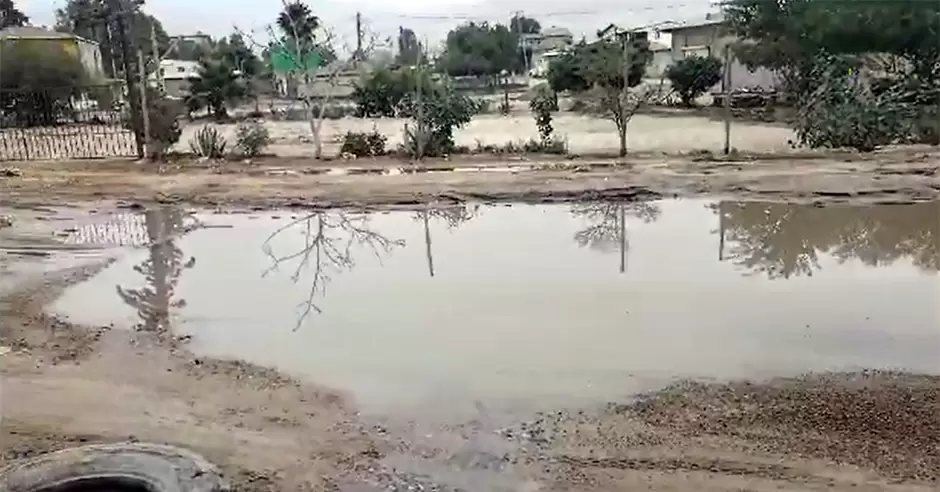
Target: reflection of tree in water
[329,240]
[783,240]
[161,270]
[454,216]
[607,229]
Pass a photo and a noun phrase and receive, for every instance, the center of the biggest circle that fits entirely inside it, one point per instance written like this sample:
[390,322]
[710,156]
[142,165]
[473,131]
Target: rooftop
[711,19]
[34,32]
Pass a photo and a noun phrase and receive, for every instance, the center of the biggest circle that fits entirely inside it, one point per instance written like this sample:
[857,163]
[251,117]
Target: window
[180,69]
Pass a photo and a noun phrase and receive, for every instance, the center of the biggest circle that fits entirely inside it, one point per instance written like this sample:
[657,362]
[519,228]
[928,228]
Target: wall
[659,63]
[89,55]
[176,87]
[707,40]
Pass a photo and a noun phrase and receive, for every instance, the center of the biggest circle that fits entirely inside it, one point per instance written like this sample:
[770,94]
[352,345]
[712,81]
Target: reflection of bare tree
[607,229]
[161,269]
[329,239]
[782,240]
[453,216]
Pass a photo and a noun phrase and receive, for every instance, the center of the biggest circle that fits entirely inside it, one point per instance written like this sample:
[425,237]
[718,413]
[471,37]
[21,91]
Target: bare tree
[300,41]
[621,105]
[329,240]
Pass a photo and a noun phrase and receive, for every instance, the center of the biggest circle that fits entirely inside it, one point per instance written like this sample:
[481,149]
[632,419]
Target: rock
[10,172]
[6,221]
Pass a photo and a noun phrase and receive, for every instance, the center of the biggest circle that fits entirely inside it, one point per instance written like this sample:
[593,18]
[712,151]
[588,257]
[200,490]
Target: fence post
[145,115]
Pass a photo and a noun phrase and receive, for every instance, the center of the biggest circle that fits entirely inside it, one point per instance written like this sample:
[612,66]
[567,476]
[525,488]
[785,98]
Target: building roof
[34,32]
[713,19]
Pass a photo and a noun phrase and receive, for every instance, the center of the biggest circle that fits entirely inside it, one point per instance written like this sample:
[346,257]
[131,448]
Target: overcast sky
[430,19]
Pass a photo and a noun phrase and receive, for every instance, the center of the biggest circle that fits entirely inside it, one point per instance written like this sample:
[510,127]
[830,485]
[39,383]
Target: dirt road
[897,175]
[66,384]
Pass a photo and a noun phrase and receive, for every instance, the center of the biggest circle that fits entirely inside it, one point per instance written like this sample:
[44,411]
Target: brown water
[536,306]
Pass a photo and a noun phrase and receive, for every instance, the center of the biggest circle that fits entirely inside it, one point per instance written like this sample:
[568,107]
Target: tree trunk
[622,130]
[315,126]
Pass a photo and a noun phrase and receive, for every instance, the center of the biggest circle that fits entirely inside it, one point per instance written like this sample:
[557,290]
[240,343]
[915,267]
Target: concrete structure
[549,39]
[660,61]
[707,36]
[660,44]
[177,75]
[336,80]
[84,50]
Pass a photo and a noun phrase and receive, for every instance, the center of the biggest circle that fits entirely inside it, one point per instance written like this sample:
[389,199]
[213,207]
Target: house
[86,51]
[659,45]
[707,36]
[545,46]
[176,76]
[549,39]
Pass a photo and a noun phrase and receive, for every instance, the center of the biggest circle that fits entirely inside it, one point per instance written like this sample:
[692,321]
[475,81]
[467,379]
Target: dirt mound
[889,422]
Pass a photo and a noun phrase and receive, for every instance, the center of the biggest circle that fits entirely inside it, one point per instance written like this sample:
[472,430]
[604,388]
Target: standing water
[536,306]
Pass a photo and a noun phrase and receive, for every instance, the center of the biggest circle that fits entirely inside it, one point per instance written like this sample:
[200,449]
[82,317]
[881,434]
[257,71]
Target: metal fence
[66,123]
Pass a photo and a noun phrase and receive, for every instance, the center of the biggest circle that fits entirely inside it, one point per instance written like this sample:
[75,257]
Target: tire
[130,466]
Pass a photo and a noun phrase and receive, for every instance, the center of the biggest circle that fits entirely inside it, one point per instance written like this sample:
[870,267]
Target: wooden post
[145,114]
[727,102]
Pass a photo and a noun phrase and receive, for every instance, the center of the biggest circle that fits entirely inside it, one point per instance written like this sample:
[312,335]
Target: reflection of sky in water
[521,307]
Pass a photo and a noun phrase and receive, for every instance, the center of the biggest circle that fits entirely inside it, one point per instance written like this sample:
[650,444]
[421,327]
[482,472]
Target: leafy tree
[596,71]
[443,110]
[298,23]
[842,111]
[692,76]
[783,240]
[409,49]
[236,51]
[479,50]
[217,86]
[10,16]
[90,19]
[381,92]
[787,35]
[524,25]
[38,81]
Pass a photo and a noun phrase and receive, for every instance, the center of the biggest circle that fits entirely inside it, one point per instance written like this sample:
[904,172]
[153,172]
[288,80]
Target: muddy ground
[893,175]
[66,384]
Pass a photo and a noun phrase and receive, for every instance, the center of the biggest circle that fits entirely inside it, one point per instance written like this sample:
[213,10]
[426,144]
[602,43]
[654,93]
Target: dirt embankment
[896,175]
[65,384]
[858,431]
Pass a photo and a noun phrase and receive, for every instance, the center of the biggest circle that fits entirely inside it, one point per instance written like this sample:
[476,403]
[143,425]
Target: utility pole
[522,43]
[145,115]
[419,136]
[119,17]
[726,82]
[358,36]
[155,53]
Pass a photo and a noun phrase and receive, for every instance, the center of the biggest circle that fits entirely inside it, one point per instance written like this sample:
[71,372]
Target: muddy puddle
[455,310]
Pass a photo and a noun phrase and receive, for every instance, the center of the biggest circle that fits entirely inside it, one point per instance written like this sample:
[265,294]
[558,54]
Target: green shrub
[443,111]
[164,127]
[362,144]
[692,76]
[251,138]
[208,142]
[543,102]
[840,110]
